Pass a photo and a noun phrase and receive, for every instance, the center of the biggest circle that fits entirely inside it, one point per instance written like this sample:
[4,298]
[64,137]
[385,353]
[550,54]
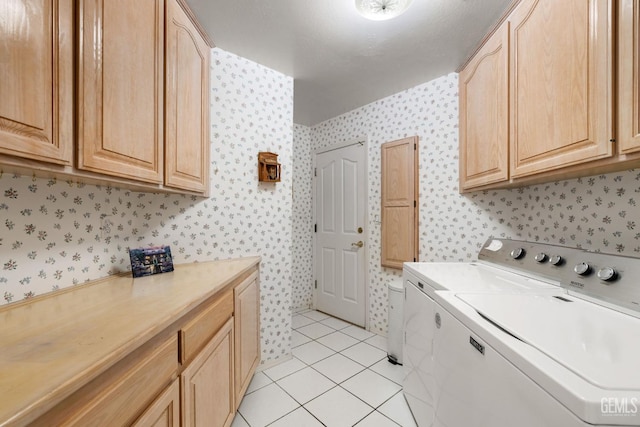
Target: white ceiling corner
[341,61]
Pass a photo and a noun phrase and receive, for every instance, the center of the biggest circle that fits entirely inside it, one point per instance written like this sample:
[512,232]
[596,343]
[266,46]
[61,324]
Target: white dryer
[518,339]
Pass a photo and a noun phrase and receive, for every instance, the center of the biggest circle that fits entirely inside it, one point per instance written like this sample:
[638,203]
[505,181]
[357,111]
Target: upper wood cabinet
[484,114]
[120,88]
[399,202]
[629,76]
[187,103]
[561,100]
[138,116]
[546,75]
[36,79]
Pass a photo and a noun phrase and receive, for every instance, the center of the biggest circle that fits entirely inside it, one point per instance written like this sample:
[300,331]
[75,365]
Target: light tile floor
[339,376]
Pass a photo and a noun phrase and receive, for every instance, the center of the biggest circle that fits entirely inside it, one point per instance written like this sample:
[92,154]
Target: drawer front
[122,393]
[198,331]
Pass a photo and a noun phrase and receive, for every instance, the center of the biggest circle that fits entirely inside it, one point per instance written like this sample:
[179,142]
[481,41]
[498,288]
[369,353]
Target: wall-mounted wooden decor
[268,167]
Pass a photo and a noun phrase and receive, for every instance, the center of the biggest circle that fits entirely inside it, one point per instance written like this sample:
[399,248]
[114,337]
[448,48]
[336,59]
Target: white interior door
[340,233]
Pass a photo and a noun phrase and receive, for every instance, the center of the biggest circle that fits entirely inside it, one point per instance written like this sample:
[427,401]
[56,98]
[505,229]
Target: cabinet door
[207,383]
[247,333]
[121,88]
[399,202]
[164,411]
[629,76]
[36,79]
[484,120]
[561,85]
[187,103]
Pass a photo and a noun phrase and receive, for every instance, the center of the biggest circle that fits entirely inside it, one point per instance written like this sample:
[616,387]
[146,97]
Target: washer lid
[598,344]
[471,277]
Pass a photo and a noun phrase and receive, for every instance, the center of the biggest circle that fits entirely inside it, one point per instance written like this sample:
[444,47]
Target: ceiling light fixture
[380,10]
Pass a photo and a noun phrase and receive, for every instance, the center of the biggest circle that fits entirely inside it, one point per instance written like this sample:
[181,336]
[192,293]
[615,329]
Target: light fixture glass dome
[379,10]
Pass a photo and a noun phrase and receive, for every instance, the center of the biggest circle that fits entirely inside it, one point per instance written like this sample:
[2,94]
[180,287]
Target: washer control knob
[541,257]
[607,274]
[556,260]
[517,253]
[582,269]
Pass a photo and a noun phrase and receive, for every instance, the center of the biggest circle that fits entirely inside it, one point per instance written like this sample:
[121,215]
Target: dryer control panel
[614,279]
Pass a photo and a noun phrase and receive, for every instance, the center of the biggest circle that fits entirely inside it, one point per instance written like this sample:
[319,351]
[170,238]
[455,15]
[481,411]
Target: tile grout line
[334,383]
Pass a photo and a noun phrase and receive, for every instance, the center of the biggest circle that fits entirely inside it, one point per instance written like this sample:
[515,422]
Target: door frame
[364,141]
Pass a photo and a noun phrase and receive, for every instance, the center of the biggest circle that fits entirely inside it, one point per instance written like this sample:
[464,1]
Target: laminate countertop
[53,345]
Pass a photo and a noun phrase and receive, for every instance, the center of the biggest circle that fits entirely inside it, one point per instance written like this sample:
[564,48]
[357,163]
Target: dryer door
[476,386]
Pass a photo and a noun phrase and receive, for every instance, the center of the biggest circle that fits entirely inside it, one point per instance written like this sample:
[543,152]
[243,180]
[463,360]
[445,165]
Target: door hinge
[415,204]
[315,228]
[415,146]
[315,171]
[316,284]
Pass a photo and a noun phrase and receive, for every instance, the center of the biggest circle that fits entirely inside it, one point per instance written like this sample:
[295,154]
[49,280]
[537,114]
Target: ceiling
[341,61]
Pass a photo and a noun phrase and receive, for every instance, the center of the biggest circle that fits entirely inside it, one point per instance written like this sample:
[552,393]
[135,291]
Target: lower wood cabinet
[247,333]
[194,372]
[207,383]
[119,395]
[164,411]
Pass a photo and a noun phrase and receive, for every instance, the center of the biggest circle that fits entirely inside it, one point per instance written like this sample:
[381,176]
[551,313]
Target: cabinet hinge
[415,204]
[315,228]
[316,284]
[415,147]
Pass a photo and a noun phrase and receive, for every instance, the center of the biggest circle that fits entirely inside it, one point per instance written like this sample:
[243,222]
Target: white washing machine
[522,340]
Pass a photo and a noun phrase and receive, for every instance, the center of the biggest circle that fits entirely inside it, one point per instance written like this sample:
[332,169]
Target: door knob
[358,244]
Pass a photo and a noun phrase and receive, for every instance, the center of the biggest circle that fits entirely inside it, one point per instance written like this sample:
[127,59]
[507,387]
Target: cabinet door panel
[121,88]
[36,79]
[187,96]
[247,333]
[561,85]
[164,411]
[399,202]
[207,383]
[484,120]
[629,72]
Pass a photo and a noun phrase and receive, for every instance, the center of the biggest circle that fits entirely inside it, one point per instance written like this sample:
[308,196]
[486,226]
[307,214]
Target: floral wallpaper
[302,291]
[597,213]
[56,234]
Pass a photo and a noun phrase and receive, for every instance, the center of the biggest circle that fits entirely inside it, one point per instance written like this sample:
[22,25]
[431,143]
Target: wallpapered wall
[302,292]
[51,230]
[597,213]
